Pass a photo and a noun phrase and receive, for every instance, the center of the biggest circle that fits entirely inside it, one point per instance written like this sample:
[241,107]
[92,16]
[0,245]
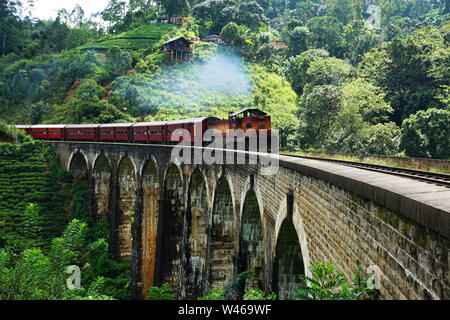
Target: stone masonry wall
[340,214]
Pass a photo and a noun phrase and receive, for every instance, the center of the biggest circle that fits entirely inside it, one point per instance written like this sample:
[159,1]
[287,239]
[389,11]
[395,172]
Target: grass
[143,37]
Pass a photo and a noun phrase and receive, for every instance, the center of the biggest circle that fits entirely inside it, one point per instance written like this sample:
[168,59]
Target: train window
[58,131]
[261,126]
[248,125]
[159,131]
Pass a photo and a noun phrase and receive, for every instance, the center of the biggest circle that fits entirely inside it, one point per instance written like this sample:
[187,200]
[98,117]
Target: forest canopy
[333,74]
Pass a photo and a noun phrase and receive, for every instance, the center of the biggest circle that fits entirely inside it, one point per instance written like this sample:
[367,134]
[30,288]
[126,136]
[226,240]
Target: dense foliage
[328,283]
[357,72]
[45,227]
[325,282]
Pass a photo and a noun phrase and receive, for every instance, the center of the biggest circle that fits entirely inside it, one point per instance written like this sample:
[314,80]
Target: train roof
[116,125]
[48,126]
[23,126]
[190,120]
[149,124]
[251,111]
[86,125]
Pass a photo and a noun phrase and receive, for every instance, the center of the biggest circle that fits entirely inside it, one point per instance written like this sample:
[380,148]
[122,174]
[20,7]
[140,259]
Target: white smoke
[222,76]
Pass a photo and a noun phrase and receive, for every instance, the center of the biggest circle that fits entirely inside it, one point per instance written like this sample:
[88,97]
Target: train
[157,132]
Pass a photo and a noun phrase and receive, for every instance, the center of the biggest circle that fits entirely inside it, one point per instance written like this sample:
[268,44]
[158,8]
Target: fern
[162,293]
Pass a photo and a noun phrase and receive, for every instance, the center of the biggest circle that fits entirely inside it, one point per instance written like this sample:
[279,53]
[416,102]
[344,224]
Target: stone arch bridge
[196,225]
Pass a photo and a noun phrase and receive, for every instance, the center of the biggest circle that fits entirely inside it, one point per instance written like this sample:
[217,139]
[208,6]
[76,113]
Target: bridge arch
[222,235]
[151,194]
[290,251]
[172,228]
[130,163]
[251,238]
[101,174]
[197,232]
[126,179]
[78,164]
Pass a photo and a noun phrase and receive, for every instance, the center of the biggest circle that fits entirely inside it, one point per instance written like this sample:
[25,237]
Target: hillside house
[179,21]
[280,44]
[214,38]
[178,49]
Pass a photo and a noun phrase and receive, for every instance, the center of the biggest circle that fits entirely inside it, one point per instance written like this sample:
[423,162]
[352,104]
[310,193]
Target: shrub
[328,283]
[162,293]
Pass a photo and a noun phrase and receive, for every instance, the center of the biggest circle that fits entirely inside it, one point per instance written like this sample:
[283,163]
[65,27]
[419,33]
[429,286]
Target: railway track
[441,179]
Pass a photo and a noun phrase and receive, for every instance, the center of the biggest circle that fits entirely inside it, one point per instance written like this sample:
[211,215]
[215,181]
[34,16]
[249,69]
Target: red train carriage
[117,132]
[195,126]
[84,132]
[155,132]
[149,132]
[48,131]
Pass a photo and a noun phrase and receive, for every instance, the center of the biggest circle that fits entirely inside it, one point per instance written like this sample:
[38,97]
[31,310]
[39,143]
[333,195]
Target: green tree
[317,114]
[298,40]
[298,66]
[305,10]
[118,61]
[233,34]
[175,7]
[340,9]
[410,71]
[37,111]
[358,39]
[326,33]
[215,13]
[10,27]
[249,13]
[427,134]
[326,71]
[114,12]
[359,124]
